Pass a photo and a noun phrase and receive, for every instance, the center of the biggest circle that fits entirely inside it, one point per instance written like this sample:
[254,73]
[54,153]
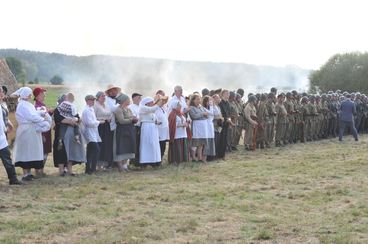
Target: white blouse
[26,113]
[147,114]
[163,127]
[180,132]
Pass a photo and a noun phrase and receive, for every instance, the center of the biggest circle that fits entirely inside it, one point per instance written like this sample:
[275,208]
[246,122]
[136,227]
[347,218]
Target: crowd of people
[117,130]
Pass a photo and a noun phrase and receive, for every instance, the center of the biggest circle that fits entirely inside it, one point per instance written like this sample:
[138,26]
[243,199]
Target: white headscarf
[23,92]
[145,101]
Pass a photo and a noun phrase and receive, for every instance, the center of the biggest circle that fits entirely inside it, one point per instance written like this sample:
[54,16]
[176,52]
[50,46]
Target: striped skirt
[178,151]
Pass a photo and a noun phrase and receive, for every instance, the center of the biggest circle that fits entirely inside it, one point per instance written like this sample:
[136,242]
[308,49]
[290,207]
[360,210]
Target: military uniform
[250,126]
[263,120]
[281,120]
[239,125]
[234,114]
[270,126]
[290,124]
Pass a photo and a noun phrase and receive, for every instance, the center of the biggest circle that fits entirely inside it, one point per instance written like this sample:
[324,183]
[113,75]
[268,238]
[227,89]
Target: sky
[283,32]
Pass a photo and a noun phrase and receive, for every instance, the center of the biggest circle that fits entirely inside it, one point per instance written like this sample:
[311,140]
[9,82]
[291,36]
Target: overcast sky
[299,32]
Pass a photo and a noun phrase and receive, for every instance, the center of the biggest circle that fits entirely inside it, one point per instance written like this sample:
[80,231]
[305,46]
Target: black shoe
[15,182]
[27,178]
[234,148]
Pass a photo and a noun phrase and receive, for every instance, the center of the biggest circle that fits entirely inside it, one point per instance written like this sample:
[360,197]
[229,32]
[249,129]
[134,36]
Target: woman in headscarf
[150,153]
[71,152]
[125,135]
[28,147]
[39,97]
[179,133]
[199,117]
[103,113]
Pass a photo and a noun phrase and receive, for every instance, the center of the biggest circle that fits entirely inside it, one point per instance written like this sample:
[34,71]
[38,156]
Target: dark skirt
[60,156]
[46,137]
[125,139]
[30,164]
[178,151]
[106,144]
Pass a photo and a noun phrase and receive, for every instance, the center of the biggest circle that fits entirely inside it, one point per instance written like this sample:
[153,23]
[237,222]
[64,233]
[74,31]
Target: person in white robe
[28,147]
[162,118]
[150,153]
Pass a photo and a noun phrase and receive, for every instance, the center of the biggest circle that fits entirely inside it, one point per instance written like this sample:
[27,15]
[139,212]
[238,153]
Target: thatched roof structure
[8,79]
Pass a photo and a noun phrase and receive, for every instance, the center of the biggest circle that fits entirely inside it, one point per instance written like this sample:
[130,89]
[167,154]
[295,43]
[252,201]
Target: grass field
[305,193]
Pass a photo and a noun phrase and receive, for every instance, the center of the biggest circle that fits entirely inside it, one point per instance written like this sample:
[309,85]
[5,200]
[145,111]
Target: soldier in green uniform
[251,123]
[234,114]
[290,124]
[281,120]
[313,114]
[263,121]
[270,126]
[305,120]
[298,120]
[240,122]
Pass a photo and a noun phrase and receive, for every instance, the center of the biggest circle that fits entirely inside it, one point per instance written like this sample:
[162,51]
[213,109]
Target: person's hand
[102,122]
[73,122]
[186,110]
[205,114]
[134,120]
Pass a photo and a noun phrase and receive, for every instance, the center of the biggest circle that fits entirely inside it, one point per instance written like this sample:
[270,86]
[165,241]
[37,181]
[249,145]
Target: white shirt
[111,103]
[163,128]
[90,124]
[3,141]
[147,114]
[174,101]
[26,113]
[180,132]
[135,110]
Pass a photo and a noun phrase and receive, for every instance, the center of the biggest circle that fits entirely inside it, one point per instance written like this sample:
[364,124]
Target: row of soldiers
[288,118]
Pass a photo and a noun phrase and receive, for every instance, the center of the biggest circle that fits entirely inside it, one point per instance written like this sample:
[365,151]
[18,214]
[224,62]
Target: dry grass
[315,193]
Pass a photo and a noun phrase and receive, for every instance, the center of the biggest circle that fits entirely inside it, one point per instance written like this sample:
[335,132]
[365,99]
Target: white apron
[200,129]
[28,144]
[149,146]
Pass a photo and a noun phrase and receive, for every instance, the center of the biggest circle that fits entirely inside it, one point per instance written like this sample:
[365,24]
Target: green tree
[56,80]
[347,72]
[15,65]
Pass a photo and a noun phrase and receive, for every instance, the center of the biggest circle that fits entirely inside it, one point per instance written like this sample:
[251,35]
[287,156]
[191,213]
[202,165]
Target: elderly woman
[39,97]
[28,148]
[199,117]
[125,135]
[150,153]
[71,152]
[179,132]
[103,113]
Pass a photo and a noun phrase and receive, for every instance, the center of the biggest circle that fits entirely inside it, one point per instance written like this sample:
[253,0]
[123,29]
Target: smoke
[146,76]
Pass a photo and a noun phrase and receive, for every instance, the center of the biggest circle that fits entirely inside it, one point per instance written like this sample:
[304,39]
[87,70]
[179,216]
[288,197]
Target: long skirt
[179,151]
[28,147]
[210,148]
[149,144]
[106,144]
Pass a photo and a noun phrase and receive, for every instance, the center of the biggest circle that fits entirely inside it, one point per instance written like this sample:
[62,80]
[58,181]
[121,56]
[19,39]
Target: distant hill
[147,74]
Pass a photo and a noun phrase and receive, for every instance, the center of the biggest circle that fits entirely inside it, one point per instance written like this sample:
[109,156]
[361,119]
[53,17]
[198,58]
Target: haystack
[8,79]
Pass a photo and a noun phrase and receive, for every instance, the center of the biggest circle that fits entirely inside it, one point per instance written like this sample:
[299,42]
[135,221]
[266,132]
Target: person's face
[113,92]
[197,101]
[90,102]
[102,98]
[137,99]
[178,92]
[41,97]
[281,99]
[226,95]
[217,99]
